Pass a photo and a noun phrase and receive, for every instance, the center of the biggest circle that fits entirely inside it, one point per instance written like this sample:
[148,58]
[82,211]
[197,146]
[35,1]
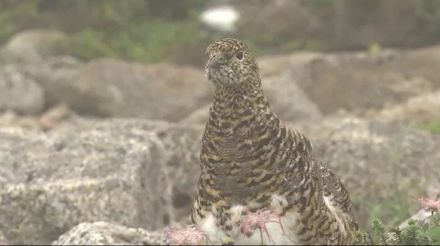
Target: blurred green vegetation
[432,126]
[416,233]
[398,207]
[392,210]
[145,31]
[134,42]
[168,30]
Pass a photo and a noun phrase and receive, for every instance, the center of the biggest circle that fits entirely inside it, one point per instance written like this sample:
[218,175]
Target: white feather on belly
[278,233]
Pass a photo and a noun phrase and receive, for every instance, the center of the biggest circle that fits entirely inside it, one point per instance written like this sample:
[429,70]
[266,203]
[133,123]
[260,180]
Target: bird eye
[239,55]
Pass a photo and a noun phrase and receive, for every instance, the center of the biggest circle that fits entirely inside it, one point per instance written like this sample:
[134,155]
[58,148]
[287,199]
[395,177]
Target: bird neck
[237,99]
[239,106]
[238,118]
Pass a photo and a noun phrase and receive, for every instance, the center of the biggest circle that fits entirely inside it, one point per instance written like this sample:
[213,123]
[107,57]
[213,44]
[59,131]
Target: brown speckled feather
[251,161]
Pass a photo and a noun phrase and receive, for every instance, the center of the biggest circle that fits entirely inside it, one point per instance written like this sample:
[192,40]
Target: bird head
[230,63]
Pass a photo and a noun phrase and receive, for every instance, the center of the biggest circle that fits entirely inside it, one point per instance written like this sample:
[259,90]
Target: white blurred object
[221,17]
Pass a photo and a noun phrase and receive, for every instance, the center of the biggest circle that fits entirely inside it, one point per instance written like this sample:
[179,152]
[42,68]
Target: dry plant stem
[429,204]
[258,220]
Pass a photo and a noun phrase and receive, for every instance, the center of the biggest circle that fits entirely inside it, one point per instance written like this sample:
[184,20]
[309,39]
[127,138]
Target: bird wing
[337,194]
[334,189]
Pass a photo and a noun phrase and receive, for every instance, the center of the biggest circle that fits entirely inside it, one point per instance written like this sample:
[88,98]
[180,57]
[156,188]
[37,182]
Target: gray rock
[57,76]
[277,64]
[18,92]
[288,100]
[176,91]
[131,172]
[381,161]
[357,81]
[421,63]
[414,111]
[114,88]
[197,117]
[3,240]
[34,45]
[103,233]
[320,129]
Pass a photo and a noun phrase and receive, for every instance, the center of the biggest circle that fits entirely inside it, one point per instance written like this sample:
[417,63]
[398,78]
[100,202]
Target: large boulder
[421,62]
[277,64]
[115,88]
[416,110]
[34,45]
[131,172]
[357,82]
[288,100]
[103,233]
[57,76]
[177,90]
[18,92]
[381,162]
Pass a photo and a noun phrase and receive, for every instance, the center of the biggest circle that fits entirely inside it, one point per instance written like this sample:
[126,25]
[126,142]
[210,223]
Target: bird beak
[215,61]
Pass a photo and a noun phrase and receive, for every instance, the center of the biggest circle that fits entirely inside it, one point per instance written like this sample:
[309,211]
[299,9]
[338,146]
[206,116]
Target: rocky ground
[107,151]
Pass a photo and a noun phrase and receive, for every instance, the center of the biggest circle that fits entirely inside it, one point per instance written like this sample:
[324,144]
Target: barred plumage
[250,161]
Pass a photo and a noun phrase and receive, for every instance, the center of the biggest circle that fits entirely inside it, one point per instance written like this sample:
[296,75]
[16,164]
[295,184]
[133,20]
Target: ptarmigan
[260,182]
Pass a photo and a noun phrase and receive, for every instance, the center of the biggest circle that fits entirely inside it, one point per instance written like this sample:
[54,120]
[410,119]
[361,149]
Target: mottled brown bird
[251,163]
